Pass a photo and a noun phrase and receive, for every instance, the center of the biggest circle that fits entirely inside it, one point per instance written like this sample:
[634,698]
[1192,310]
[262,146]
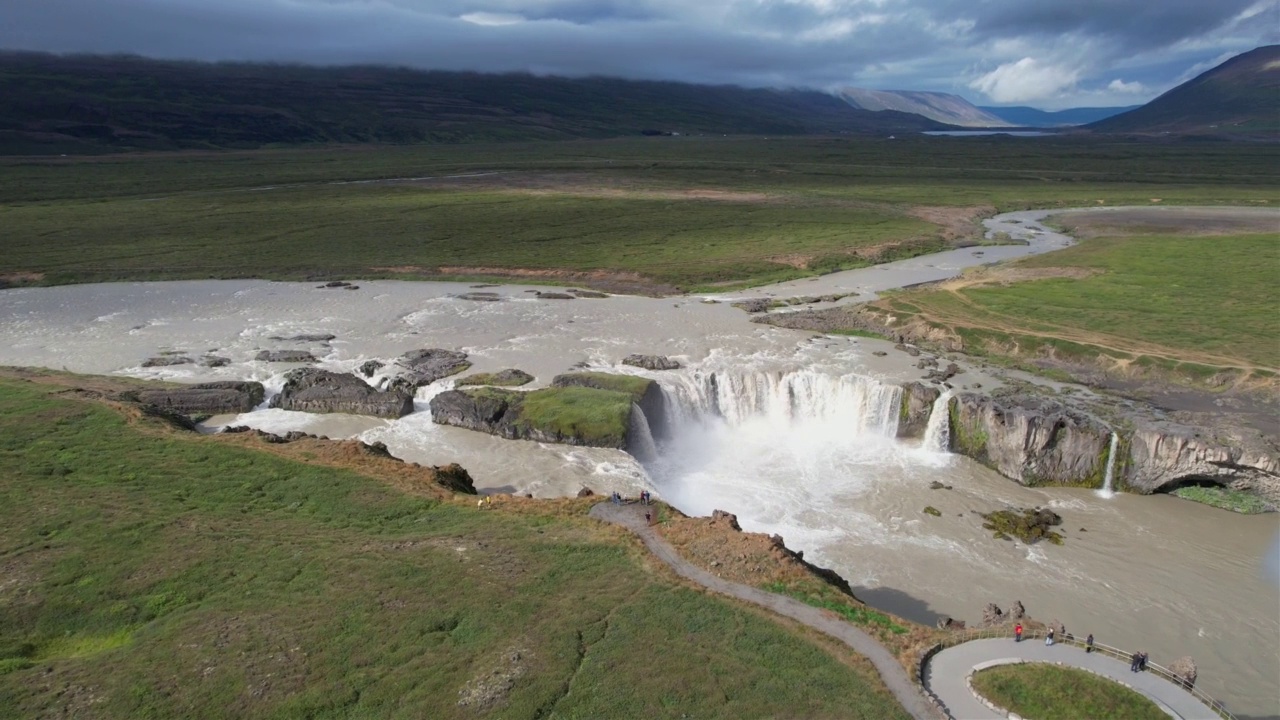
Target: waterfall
[639,438]
[1107,479]
[861,404]
[937,434]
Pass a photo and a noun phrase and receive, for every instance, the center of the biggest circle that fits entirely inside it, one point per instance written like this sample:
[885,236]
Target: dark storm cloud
[1054,52]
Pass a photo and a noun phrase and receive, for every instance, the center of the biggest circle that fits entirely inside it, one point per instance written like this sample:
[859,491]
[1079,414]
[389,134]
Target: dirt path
[893,675]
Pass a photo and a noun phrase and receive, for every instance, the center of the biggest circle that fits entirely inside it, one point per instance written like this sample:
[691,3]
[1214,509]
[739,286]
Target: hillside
[85,103]
[1024,116]
[940,107]
[1239,97]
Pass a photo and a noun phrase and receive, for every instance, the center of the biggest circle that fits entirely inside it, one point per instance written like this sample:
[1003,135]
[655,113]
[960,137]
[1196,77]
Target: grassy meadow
[153,574]
[1190,306]
[1049,692]
[680,213]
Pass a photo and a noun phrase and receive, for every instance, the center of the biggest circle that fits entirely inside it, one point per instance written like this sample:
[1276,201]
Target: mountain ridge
[1239,97]
[940,107]
[88,103]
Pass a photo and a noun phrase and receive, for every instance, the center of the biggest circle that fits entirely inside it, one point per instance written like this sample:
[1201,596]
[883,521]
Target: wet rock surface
[369,367]
[423,367]
[651,362]
[285,356]
[213,398]
[167,361]
[322,391]
[917,405]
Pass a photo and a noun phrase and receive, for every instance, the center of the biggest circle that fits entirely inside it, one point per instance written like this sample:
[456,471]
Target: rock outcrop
[1185,670]
[1160,457]
[511,377]
[213,398]
[917,404]
[285,356]
[369,367]
[1031,440]
[1039,441]
[651,362]
[455,477]
[167,361]
[321,391]
[567,415]
[646,393]
[423,367]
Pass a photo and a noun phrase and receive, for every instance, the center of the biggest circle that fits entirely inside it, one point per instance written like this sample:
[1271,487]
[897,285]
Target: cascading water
[937,434]
[859,405]
[1107,479]
[640,438]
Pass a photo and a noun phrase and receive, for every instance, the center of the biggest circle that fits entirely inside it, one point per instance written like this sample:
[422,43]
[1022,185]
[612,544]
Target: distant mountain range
[1023,116]
[93,103]
[72,104]
[942,107]
[1240,97]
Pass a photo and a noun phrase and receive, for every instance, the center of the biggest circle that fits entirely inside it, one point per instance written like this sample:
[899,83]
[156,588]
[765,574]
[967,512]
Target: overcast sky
[1047,53]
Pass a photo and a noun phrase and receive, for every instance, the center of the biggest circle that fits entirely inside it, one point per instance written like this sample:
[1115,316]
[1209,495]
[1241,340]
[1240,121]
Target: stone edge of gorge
[988,664]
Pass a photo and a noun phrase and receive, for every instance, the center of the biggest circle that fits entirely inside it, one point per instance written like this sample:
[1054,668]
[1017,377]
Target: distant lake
[966,133]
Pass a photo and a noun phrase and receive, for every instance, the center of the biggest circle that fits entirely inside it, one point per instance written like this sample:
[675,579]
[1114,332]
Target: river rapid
[795,435]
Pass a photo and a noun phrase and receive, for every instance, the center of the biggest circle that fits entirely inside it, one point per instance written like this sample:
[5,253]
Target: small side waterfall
[639,438]
[937,434]
[1107,489]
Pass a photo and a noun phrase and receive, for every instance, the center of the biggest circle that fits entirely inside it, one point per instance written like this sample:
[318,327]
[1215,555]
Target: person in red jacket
[1017,633]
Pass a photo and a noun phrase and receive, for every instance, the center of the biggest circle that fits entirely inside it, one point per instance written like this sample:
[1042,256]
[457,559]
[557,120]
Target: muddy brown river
[795,437]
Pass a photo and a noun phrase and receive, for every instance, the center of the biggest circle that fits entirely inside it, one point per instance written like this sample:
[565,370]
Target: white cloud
[1131,88]
[1025,80]
[489,19]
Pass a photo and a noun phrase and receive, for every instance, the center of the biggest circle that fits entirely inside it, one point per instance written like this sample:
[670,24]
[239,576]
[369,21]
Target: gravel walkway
[894,676]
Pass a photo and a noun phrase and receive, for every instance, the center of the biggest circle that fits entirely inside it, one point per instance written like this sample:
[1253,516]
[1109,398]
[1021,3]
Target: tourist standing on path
[1048,639]
[1142,661]
[1017,633]
[1088,644]
[1133,661]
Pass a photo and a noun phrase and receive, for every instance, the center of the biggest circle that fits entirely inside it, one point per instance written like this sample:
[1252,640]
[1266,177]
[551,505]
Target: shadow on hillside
[898,603]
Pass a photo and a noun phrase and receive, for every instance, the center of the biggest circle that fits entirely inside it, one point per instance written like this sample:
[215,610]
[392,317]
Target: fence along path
[945,667]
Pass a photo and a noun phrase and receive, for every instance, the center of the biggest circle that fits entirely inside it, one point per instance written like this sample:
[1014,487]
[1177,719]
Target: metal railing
[961,637]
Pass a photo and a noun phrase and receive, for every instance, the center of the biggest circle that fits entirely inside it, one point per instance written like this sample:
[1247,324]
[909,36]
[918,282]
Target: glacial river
[795,437]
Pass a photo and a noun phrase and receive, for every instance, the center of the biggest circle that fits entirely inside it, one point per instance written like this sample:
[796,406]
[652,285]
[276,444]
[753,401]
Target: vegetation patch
[1051,692]
[1030,525]
[1225,498]
[599,417]
[182,576]
[502,378]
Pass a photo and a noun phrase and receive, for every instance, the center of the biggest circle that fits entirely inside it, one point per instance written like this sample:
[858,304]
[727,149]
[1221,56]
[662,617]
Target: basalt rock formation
[423,367]
[213,398]
[651,362]
[1040,441]
[917,405]
[321,391]
[286,356]
[646,393]
[567,415]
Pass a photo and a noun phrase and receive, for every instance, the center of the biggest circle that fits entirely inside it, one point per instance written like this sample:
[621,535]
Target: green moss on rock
[1030,525]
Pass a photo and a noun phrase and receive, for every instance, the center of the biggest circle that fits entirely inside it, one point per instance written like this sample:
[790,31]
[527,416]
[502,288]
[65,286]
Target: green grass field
[787,207]
[1192,306]
[1039,691]
[147,574]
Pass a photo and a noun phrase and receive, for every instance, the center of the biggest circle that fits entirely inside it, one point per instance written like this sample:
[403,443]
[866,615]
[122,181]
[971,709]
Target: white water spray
[937,434]
[1107,491]
[857,404]
[639,437]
